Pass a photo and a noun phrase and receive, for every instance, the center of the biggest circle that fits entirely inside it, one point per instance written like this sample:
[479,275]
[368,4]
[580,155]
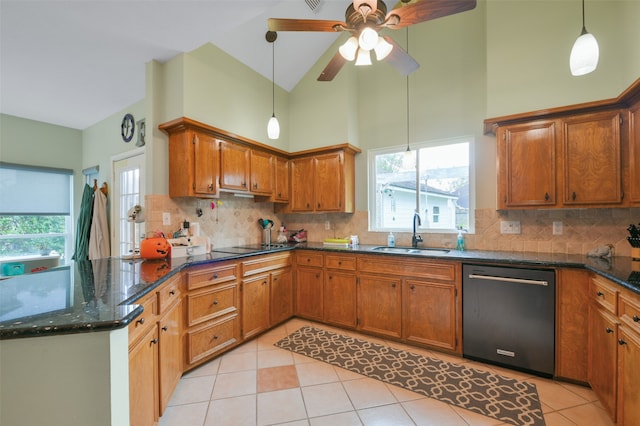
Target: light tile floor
[259,384]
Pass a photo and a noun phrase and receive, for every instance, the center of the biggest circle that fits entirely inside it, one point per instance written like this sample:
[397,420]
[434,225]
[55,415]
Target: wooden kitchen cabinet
[591,159]
[634,153]
[309,288]
[527,164]
[143,379]
[603,356]
[193,162]
[255,305]
[170,353]
[572,313]
[340,290]
[429,316]
[281,184]
[380,305]
[302,188]
[234,166]
[261,178]
[281,295]
[628,407]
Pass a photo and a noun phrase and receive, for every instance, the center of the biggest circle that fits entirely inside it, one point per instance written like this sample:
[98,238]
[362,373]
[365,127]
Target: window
[432,179]
[35,211]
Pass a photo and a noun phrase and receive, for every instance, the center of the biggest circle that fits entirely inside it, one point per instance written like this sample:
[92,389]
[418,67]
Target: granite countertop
[100,295]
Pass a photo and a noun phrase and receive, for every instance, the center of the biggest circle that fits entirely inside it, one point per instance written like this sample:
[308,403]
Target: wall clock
[127,127]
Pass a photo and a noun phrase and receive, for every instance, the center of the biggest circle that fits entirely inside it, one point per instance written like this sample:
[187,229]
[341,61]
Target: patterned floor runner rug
[508,400]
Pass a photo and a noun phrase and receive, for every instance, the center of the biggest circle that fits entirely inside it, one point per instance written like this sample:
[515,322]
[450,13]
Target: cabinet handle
[244,184]
[339,263]
[154,341]
[216,337]
[546,196]
[165,328]
[215,277]
[140,321]
[573,196]
[215,302]
[210,187]
[608,330]
[275,278]
[600,294]
[330,277]
[636,318]
[412,287]
[255,185]
[172,292]
[622,342]
[317,275]
[393,285]
[279,194]
[308,259]
[318,205]
[264,283]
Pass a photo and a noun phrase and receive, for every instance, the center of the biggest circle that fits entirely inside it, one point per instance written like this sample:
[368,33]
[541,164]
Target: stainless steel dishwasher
[508,317]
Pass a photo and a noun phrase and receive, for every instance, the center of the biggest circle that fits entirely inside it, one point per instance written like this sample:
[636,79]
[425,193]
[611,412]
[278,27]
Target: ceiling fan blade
[425,10]
[285,24]
[333,67]
[400,59]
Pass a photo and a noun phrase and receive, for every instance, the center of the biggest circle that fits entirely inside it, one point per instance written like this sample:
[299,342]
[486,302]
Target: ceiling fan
[364,19]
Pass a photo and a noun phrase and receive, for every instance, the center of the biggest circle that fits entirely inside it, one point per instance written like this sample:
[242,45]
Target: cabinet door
[143,380]
[234,166]
[430,313]
[602,363]
[634,152]
[527,165]
[591,158]
[329,182]
[309,289]
[170,354]
[302,187]
[380,305]
[281,298]
[281,186]
[340,298]
[255,305]
[262,170]
[629,375]
[205,164]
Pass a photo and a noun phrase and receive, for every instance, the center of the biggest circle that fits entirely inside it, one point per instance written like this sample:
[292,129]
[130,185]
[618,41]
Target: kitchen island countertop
[100,295]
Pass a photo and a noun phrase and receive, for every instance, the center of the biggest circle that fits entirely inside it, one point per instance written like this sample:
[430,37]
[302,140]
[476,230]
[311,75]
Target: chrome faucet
[416,239]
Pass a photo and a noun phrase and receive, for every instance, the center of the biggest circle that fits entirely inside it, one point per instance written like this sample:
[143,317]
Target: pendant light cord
[407,84]
[273,76]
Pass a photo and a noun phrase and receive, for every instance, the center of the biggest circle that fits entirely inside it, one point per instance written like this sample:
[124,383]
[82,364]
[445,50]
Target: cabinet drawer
[262,264]
[210,304]
[393,265]
[202,277]
[309,259]
[604,294]
[346,263]
[146,320]
[168,294]
[211,339]
[629,310]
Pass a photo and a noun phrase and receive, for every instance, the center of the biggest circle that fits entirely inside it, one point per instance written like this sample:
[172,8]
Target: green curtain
[83,228]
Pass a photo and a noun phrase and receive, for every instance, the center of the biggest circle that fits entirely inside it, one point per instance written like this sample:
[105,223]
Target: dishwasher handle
[509,280]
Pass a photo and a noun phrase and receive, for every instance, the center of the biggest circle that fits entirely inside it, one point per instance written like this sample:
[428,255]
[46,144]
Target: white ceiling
[75,62]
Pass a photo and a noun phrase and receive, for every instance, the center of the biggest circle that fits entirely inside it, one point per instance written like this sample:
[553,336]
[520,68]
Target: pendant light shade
[364,57]
[382,49]
[273,126]
[349,48]
[585,52]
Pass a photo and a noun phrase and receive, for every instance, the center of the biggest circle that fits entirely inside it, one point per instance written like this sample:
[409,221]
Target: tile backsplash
[234,221]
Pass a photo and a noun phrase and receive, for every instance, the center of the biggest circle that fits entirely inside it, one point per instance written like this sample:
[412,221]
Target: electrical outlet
[327,225]
[166,218]
[509,226]
[557,228]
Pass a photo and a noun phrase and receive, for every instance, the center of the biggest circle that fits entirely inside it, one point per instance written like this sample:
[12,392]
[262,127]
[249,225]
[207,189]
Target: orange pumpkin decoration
[155,248]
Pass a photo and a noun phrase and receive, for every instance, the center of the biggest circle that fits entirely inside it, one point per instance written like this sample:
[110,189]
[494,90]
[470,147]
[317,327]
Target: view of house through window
[431,179]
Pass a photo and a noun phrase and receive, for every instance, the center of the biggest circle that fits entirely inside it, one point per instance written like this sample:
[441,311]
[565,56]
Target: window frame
[371,183]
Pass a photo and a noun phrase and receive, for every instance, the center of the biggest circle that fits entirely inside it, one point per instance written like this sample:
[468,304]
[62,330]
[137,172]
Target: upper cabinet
[234,166]
[577,156]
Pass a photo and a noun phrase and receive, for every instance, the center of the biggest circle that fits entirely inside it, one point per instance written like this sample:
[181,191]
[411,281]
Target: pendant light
[273,127]
[585,52]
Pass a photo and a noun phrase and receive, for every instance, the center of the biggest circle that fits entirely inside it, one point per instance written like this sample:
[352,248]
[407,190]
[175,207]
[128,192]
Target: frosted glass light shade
[273,128]
[368,38]
[584,54]
[349,48]
[364,57]
[382,49]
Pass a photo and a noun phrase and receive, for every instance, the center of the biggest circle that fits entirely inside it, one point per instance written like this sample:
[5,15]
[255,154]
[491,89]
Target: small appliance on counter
[189,246]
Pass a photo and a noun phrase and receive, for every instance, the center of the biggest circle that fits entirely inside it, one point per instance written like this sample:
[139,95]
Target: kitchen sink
[427,251]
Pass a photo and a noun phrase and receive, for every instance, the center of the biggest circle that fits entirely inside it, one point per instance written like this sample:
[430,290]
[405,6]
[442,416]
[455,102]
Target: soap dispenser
[391,240]
[460,244]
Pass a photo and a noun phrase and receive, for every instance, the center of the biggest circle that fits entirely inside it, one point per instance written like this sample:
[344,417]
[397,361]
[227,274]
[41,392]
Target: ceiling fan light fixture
[368,38]
[349,49]
[382,49]
[364,57]
[585,52]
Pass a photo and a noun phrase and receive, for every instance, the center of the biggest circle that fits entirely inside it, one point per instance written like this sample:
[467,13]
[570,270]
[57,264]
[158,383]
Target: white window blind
[27,190]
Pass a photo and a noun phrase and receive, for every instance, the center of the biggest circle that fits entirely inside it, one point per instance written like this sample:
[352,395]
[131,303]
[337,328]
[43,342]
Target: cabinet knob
[308,259]
[318,205]
[393,285]
[608,330]
[330,277]
[244,184]
[165,328]
[622,342]
[600,294]
[172,292]
[210,187]
[546,196]
[412,287]
[264,282]
[339,263]
[215,277]
[215,302]
[636,318]
[275,278]
[573,196]
[154,341]
[140,321]
[255,185]
[216,337]
[279,194]
[317,275]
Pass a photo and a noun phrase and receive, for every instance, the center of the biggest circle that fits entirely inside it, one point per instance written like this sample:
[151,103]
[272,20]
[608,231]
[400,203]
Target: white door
[128,191]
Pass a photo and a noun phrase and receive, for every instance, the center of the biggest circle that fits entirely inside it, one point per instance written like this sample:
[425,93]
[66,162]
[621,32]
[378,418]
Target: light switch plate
[166,218]
[510,227]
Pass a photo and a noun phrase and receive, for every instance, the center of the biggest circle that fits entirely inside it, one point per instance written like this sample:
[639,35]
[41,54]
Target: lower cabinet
[143,380]
[339,290]
[255,305]
[603,357]
[628,376]
[281,295]
[309,285]
[380,305]
[170,353]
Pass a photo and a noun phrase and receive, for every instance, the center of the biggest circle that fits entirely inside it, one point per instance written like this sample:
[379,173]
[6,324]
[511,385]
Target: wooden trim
[628,97]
